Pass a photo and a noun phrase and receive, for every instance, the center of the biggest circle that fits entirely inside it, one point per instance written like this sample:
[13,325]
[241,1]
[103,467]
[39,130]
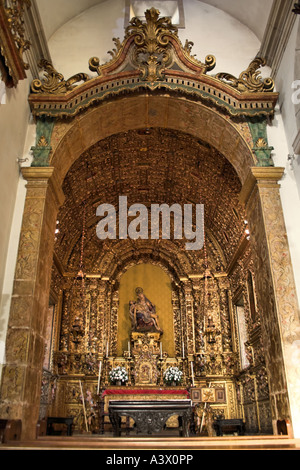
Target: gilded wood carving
[151,57]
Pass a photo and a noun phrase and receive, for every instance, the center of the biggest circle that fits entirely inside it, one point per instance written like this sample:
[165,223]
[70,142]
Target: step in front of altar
[144,394]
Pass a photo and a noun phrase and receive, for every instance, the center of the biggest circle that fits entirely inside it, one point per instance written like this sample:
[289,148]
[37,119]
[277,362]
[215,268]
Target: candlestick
[128,348]
[107,349]
[183,350]
[99,377]
[192,370]
[83,405]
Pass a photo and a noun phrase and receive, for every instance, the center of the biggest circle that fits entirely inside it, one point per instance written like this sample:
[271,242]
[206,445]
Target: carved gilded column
[189,316]
[22,373]
[276,292]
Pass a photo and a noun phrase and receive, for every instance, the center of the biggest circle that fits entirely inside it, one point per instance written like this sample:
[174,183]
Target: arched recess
[243,143]
[156,284]
[147,111]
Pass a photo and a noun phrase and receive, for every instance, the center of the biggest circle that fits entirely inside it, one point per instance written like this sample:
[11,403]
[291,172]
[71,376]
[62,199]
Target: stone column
[22,372]
[276,292]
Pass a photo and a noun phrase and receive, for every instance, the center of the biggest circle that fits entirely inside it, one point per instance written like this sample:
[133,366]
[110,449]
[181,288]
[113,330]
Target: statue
[143,314]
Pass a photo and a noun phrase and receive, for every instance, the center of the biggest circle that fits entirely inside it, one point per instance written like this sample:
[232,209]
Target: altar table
[150,416]
[135,393]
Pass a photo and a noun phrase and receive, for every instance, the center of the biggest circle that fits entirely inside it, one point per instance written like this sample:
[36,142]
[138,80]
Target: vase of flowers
[173,376]
[118,376]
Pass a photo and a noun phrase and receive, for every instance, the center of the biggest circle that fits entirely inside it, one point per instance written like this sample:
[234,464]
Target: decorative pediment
[151,57]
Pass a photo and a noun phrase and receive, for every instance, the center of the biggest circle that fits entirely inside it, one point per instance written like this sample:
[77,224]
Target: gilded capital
[260,177]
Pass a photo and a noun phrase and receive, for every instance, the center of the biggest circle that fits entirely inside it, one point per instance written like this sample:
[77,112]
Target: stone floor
[96,442]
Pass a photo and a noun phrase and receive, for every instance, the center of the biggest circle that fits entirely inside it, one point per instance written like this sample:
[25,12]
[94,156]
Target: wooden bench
[229,426]
[59,420]
[41,428]
[10,430]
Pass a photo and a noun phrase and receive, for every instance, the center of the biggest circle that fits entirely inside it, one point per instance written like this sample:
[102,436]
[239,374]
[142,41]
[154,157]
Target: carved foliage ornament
[152,55]
[13,41]
[54,82]
[14,11]
[249,80]
[152,39]
[154,42]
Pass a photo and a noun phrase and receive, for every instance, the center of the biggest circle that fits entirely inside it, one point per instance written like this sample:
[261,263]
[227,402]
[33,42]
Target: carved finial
[152,41]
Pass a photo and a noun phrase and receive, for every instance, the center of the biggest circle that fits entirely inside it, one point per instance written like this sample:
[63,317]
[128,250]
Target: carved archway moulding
[146,111]
[208,107]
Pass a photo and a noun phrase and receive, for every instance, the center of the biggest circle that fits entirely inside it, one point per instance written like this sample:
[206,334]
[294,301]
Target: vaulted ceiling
[149,166]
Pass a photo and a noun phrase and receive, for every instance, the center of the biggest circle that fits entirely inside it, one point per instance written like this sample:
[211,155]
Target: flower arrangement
[118,374]
[172,374]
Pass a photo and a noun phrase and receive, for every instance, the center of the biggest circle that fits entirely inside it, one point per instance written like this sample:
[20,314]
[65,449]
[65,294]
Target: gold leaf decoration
[250,80]
[152,41]
[54,82]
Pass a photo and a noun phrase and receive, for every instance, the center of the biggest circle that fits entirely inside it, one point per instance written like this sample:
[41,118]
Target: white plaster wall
[281,134]
[288,75]
[215,32]
[14,119]
[284,80]
[87,35]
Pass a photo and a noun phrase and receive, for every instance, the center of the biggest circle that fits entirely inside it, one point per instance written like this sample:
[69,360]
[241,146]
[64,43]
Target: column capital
[44,176]
[262,177]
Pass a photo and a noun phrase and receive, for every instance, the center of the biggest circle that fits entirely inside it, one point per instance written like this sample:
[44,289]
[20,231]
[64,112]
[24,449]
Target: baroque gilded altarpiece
[154,78]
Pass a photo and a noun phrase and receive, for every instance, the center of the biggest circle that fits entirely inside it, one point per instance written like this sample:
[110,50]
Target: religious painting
[220,395]
[196,395]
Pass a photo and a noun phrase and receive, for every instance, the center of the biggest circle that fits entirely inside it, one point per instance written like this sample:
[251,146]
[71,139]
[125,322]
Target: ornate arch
[152,79]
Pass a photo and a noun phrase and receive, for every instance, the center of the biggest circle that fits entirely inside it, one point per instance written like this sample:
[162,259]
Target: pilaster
[22,373]
[275,288]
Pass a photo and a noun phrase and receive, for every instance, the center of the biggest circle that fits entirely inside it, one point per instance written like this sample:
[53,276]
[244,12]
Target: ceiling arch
[70,141]
[152,165]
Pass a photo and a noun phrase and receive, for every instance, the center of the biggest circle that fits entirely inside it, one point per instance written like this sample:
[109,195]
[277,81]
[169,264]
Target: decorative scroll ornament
[249,80]
[152,39]
[153,53]
[154,43]
[54,82]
